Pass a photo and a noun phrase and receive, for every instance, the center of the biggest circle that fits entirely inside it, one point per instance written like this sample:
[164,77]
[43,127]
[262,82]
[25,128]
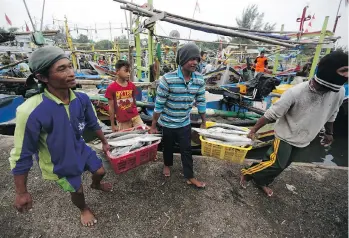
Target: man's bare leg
[78,199]
[166,171]
[243,182]
[96,181]
[267,191]
[196,183]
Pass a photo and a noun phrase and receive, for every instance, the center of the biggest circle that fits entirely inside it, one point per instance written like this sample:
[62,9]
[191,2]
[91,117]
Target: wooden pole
[70,44]
[196,3]
[30,18]
[138,52]
[207,28]
[207,23]
[337,17]
[130,50]
[213,42]
[150,41]
[318,48]
[276,62]
[13,64]
[6,79]
[42,15]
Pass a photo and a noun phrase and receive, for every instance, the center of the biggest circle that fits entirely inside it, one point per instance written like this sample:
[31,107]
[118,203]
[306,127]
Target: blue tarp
[81,75]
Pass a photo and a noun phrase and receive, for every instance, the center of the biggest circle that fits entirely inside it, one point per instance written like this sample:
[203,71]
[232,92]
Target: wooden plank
[6,79]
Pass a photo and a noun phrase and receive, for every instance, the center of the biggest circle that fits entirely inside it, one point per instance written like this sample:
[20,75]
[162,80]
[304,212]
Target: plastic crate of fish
[133,159]
[231,153]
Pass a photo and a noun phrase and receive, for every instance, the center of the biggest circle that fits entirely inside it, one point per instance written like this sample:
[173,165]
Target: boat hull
[8,106]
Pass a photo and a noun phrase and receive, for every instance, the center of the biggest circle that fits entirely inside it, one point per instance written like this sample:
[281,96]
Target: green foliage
[82,39]
[60,37]
[13,29]
[343,49]
[2,30]
[122,41]
[103,45]
[210,46]
[269,27]
[251,19]
[167,42]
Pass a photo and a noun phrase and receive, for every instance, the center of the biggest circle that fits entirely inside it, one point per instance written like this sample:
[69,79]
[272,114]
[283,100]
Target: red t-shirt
[124,100]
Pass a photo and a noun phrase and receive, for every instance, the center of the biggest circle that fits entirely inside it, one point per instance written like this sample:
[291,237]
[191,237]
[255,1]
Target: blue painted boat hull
[8,106]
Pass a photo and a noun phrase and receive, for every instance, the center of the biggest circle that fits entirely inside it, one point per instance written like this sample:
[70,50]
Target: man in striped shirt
[175,98]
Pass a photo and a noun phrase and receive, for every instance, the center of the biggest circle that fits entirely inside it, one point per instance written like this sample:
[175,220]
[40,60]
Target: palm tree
[252,19]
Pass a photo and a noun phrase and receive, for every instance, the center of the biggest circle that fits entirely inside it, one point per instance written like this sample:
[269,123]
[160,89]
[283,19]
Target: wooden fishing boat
[8,106]
[101,70]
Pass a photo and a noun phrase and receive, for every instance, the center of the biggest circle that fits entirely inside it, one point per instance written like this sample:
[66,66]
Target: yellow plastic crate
[243,88]
[282,88]
[234,154]
[274,100]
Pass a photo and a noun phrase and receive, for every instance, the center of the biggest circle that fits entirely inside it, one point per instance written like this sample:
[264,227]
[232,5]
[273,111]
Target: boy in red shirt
[121,98]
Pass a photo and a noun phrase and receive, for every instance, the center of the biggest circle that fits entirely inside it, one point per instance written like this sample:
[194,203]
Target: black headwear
[187,52]
[327,74]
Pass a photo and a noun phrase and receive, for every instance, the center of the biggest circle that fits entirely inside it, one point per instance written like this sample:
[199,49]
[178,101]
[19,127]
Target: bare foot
[196,183]
[267,191]
[243,181]
[87,218]
[166,171]
[103,186]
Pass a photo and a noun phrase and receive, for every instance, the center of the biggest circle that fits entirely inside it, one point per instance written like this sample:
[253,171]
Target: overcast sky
[88,13]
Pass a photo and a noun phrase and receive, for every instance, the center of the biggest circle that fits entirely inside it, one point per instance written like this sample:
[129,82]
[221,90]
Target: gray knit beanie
[187,52]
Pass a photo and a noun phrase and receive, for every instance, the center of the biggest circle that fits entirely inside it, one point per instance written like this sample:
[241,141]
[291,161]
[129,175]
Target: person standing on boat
[261,63]
[202,65]
[176,95]
[248,71]
[300,114]
[50,125]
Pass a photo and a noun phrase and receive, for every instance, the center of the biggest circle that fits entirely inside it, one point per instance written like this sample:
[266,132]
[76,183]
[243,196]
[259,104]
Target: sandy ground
[144,204]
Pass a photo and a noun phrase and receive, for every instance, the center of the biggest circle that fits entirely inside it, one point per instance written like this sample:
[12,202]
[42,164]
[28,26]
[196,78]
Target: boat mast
[31,20]
[42,15]
[70,44]
[196,4]
[337,17]
[151,31]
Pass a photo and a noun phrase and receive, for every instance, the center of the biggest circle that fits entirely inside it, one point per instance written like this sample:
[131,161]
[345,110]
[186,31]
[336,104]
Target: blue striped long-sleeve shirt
[175,98]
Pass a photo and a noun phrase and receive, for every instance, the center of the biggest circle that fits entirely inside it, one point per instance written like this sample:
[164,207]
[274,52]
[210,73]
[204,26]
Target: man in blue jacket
[49,125]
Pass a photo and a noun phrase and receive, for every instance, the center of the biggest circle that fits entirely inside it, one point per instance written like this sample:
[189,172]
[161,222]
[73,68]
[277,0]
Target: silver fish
[137,145]
[122,133]
[124,137]
[130,136]
[129,142]
[226,131]
[120,151]
[221,136]
[229,126]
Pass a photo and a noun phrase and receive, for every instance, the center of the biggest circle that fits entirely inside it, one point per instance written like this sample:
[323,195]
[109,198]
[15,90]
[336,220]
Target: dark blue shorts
[73,184]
